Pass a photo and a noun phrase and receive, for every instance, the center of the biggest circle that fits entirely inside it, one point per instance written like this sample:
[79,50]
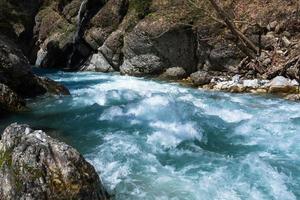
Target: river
[155,140]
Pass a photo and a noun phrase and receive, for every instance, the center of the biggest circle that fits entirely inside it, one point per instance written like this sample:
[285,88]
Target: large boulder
[15,72]
[281,84]
[161,40]
[34,166]
[17,80]
[10,101]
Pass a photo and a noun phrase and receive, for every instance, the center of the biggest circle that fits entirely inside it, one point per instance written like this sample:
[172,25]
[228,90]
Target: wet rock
[97,63]
[10,101]
[146,64]
[15,72]
[200,78]
[174,73]
[52,87]
[36,166]
[281,84]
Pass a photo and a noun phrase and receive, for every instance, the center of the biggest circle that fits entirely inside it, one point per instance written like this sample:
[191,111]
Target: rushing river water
[154,140]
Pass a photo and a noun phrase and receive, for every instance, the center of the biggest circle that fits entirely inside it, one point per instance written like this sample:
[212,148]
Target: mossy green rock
[36,166]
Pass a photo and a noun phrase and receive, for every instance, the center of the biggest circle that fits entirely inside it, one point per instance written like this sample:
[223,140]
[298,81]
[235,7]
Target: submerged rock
[36,166]
[52,87]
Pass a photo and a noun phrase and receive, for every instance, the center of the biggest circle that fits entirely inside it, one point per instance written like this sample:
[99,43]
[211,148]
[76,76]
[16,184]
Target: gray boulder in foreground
[36,166]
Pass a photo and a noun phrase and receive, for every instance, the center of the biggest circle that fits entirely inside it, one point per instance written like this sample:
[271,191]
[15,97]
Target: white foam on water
[231,116]
[171,134]
[148,163]
[274,181]
[111,113]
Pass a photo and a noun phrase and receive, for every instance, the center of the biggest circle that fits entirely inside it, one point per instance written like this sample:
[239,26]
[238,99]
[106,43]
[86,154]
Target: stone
[286,41]
[281,84]
[271,26]
[222,56]
[35,166]
[157,43]
[15,72]
[52,87]
[251,83]
[97,63]
[200,78]
[286,34]
[10,101]
[293,72]
[293,97]
[236,78]
[238,88]
[174,73]
[266,62]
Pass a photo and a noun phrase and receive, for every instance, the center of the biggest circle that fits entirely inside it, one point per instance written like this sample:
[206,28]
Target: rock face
[34,166]
[10,101]
[17,80]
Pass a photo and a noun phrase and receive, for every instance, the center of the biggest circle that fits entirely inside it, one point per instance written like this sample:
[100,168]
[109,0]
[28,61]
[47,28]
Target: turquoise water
[154,140]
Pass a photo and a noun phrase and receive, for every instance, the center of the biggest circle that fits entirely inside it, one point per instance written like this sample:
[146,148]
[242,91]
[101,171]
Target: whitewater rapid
[156,140]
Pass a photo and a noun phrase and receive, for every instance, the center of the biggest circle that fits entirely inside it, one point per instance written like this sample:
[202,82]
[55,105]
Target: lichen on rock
[36,166]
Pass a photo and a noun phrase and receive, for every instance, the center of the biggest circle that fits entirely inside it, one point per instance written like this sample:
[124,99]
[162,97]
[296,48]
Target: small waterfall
[41,54]
[81,16]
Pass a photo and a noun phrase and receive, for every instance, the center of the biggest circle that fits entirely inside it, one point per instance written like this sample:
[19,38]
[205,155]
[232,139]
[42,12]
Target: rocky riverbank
[278,86]
[169,39]
[17,81]
[36,166]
